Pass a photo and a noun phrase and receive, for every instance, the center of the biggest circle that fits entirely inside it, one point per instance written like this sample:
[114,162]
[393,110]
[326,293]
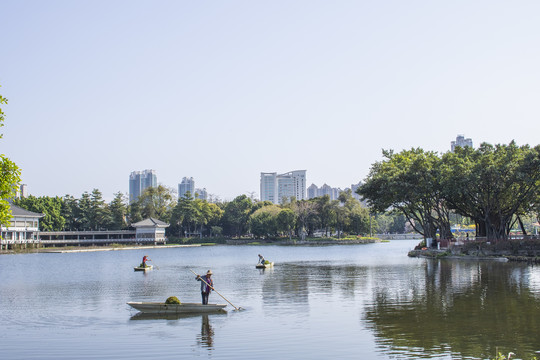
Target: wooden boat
[265,265]
[184,308]
[145,268]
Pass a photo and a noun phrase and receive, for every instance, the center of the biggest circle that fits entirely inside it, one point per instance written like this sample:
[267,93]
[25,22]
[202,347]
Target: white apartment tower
[187,184]
[276,188]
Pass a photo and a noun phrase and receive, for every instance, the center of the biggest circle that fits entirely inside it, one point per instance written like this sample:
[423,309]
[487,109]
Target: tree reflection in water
[467,308]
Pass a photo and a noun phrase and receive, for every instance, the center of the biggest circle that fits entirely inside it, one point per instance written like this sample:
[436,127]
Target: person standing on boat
[261,259]
[144,260]
[206,286]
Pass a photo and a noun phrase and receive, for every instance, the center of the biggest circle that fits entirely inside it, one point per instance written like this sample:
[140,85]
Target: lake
[322,302]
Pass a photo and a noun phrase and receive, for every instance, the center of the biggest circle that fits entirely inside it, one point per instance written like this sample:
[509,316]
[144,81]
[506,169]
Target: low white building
[22,230]
[150,230]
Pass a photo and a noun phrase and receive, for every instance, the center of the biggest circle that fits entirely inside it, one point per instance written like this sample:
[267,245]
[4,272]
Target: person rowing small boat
[207,285]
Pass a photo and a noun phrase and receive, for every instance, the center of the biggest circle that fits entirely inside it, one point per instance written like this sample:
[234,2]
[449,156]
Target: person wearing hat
[206,285]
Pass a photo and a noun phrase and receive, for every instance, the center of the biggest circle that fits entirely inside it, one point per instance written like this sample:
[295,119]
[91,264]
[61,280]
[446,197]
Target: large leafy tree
[286,220]
[236,215]
[156,202]
[409,182]
[10,177]
[303,209]
[493,185]
[264,221]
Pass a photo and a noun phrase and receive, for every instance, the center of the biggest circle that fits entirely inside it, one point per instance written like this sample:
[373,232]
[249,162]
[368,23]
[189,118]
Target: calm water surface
[351,302]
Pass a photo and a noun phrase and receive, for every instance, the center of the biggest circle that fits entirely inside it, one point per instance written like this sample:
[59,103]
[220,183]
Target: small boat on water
[265,265]
[143,268]
[184,308]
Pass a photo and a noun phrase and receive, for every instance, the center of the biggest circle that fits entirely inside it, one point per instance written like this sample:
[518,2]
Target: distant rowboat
[265,265]
[143,268]
[184,308]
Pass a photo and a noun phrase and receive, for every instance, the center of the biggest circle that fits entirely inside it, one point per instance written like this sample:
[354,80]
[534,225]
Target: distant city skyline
[221,92]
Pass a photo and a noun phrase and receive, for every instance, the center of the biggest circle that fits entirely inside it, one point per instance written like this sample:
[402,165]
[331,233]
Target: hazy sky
[224,90]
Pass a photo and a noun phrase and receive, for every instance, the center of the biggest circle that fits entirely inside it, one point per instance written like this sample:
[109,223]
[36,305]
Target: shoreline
[59,250]
[446,254]
[253,242]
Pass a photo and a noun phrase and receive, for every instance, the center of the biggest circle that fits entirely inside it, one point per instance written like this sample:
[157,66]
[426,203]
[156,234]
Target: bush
[172,300]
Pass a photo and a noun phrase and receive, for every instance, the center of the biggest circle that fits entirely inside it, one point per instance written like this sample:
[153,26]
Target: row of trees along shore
[493,187]
[496,187]
[189,216]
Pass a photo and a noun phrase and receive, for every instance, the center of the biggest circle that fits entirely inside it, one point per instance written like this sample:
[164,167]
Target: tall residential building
[460,141]
[355,187]
[187,184]
[140,180]
[269,187]
[276,188]
[22,192]
[201,194]
[315,191]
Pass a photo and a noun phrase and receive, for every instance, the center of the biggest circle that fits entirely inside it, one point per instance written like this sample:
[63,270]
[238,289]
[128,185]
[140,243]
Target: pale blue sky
[224,90]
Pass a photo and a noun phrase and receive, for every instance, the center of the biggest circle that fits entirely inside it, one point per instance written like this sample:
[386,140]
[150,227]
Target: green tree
[10,177]
[325,212]
[118,211]
[84,216]
[303,210]
[70,209]
[98,212]
[50,207]
[184,216]
[359,219]
[286,220]
[134,213]
[264,221]
[410,183]
[156,202]
[236,215]
[493,185]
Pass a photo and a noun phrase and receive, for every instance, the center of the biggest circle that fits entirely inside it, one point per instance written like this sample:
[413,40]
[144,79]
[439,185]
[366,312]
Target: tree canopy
[10,176]
[493,185]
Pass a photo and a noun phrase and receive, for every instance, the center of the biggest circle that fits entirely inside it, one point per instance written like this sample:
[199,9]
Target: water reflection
[206,338]
[470,308]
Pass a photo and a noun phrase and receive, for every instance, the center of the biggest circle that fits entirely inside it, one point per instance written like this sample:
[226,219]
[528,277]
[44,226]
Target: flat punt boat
[264,266]
[146,268]
[184,308]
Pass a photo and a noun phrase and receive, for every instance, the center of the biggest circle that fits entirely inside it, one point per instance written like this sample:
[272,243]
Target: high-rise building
[187,184]
[269,187]
[315,191]
[355,187]
[276,188]
[22,192]
[201,194]
[140,180]
[460,141]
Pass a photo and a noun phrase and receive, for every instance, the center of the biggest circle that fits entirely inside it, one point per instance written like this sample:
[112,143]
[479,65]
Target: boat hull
[139,268]
[185,308]
[264,266]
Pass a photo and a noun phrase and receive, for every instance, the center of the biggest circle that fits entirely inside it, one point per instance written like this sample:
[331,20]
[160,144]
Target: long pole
[211,287]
